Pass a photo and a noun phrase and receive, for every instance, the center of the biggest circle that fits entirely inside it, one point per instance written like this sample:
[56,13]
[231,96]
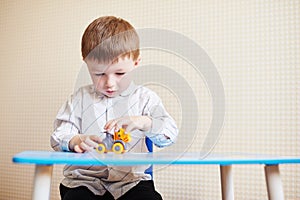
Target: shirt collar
[131,88]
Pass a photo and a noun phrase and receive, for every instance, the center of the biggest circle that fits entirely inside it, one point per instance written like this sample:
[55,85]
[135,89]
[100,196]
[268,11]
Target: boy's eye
[99,74]
[120,73]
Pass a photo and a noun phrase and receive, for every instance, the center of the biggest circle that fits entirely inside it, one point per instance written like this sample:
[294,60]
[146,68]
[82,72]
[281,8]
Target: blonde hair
[108,38]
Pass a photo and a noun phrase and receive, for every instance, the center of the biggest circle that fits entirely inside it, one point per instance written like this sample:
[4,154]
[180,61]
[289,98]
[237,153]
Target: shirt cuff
[161,140]
[65,142]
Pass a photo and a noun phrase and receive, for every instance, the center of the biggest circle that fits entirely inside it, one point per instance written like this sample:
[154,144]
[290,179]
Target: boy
[110,48]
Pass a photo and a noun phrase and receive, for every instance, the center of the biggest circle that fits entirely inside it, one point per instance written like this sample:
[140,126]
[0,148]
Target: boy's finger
[110,124]
[85,147]
[123,123]
[77,149]
[96,138]
[91,143]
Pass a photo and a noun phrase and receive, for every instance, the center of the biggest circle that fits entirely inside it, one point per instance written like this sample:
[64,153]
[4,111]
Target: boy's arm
[67,138]
[67,129]
[62,136]
[163,131]
[166,134]
[66,125]
[154,121]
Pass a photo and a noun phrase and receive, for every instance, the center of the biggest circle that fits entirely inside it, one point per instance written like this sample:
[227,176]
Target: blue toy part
[106,144]
[109,144]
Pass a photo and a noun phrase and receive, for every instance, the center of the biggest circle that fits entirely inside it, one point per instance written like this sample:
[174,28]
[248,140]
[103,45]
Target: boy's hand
[129,123]
[82,143]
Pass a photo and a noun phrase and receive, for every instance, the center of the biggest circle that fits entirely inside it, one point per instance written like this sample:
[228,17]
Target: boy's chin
[111,96]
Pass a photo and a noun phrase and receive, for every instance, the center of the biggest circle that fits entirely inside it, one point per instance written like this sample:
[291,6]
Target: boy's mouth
[110,92]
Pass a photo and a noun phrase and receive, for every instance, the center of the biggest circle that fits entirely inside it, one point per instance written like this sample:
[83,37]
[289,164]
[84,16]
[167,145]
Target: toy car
[115,143]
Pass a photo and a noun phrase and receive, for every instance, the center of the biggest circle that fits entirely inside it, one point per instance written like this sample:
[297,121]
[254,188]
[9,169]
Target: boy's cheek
[126,80]
[98,85]
[97,82]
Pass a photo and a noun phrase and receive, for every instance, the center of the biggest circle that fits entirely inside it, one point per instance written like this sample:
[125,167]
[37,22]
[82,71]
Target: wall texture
[254,45]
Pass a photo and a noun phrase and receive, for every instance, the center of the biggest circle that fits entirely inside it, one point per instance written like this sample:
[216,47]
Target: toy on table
[115,143]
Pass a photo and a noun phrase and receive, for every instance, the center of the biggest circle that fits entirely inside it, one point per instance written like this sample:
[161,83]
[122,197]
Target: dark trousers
[144,190]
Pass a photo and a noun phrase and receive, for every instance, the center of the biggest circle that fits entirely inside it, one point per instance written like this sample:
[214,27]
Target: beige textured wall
[254,45]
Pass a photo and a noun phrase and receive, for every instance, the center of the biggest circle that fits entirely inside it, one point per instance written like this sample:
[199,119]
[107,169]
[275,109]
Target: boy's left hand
[129,123]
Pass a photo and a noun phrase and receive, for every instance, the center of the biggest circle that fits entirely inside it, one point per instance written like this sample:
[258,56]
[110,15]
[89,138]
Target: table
[44,161]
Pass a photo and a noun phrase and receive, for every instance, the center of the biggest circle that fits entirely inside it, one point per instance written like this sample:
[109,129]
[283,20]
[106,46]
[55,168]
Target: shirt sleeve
[66,125]
[164,130]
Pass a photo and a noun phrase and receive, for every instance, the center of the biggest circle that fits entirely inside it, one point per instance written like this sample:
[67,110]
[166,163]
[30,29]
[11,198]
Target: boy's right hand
[82,143]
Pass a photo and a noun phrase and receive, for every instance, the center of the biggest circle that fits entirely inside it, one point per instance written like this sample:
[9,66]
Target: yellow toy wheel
[101,148]
[118,147]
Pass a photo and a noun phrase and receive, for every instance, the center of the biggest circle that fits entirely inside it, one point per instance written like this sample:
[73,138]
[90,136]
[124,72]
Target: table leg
[274,185]
[42,182]
[227,182]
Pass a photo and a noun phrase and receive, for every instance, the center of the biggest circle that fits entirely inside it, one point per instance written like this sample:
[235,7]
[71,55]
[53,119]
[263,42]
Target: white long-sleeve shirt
[86,112]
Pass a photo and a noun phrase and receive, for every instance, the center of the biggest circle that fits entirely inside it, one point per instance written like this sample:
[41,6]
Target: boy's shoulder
[85,89]
[142,89]
[144,92]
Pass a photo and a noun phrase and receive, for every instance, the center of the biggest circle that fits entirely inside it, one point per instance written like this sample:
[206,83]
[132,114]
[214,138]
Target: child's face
[112,79]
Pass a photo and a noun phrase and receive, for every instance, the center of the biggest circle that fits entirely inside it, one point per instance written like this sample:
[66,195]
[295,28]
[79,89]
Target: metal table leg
[227,182]
[42,182]
[273,180]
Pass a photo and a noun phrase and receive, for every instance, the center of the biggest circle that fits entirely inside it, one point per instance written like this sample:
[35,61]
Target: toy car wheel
[118,147]
[101,148]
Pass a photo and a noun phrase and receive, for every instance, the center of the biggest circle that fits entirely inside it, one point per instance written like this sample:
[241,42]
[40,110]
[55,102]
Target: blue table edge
[156,158]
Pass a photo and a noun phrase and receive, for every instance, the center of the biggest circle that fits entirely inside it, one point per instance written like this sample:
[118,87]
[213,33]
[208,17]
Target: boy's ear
[137,61]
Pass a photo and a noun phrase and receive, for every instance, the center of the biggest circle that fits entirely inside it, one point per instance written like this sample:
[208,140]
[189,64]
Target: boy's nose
[109,82]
